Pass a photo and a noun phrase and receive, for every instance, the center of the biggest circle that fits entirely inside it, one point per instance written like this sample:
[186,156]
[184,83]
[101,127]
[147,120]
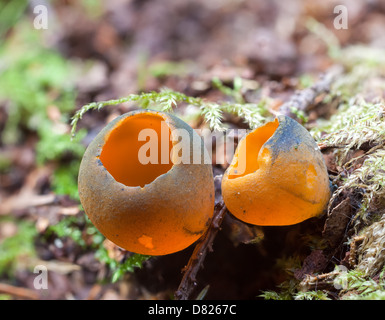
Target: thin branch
[324,281]
[19,292]
[197,258]
[303,99]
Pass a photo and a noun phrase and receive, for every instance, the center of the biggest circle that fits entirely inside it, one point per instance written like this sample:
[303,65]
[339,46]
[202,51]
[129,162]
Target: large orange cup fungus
[144,187]
[277,176]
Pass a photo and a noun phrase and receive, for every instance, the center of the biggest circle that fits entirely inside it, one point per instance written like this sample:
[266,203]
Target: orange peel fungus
[277,176]
[153,208]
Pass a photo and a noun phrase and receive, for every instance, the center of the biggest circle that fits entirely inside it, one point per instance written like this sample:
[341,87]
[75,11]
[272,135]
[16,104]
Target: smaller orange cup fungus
[139,193]
[277,176]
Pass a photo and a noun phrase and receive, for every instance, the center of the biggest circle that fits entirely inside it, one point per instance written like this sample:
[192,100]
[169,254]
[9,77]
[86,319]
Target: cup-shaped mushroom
[277,176]
[146,183]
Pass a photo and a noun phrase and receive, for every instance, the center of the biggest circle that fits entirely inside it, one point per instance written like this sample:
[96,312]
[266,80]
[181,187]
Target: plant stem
[304,99]
[197,258]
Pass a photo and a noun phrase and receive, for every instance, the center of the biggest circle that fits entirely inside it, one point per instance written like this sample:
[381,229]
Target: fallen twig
[21,293]
[204,245]
[324,281]
[303,99]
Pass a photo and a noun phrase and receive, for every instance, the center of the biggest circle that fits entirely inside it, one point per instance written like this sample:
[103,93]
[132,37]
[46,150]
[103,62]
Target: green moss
[312,295]
[10,13]
[6,297]
[68,227]
[285,291]
[118,268]
[169,68]
[358,286]
[34,80]
[17,247]
[254,114]
[355,124]
[64,180]
[5,163]
[79,228]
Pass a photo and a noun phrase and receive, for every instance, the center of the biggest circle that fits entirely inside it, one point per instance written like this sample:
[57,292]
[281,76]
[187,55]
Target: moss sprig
[254,114]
